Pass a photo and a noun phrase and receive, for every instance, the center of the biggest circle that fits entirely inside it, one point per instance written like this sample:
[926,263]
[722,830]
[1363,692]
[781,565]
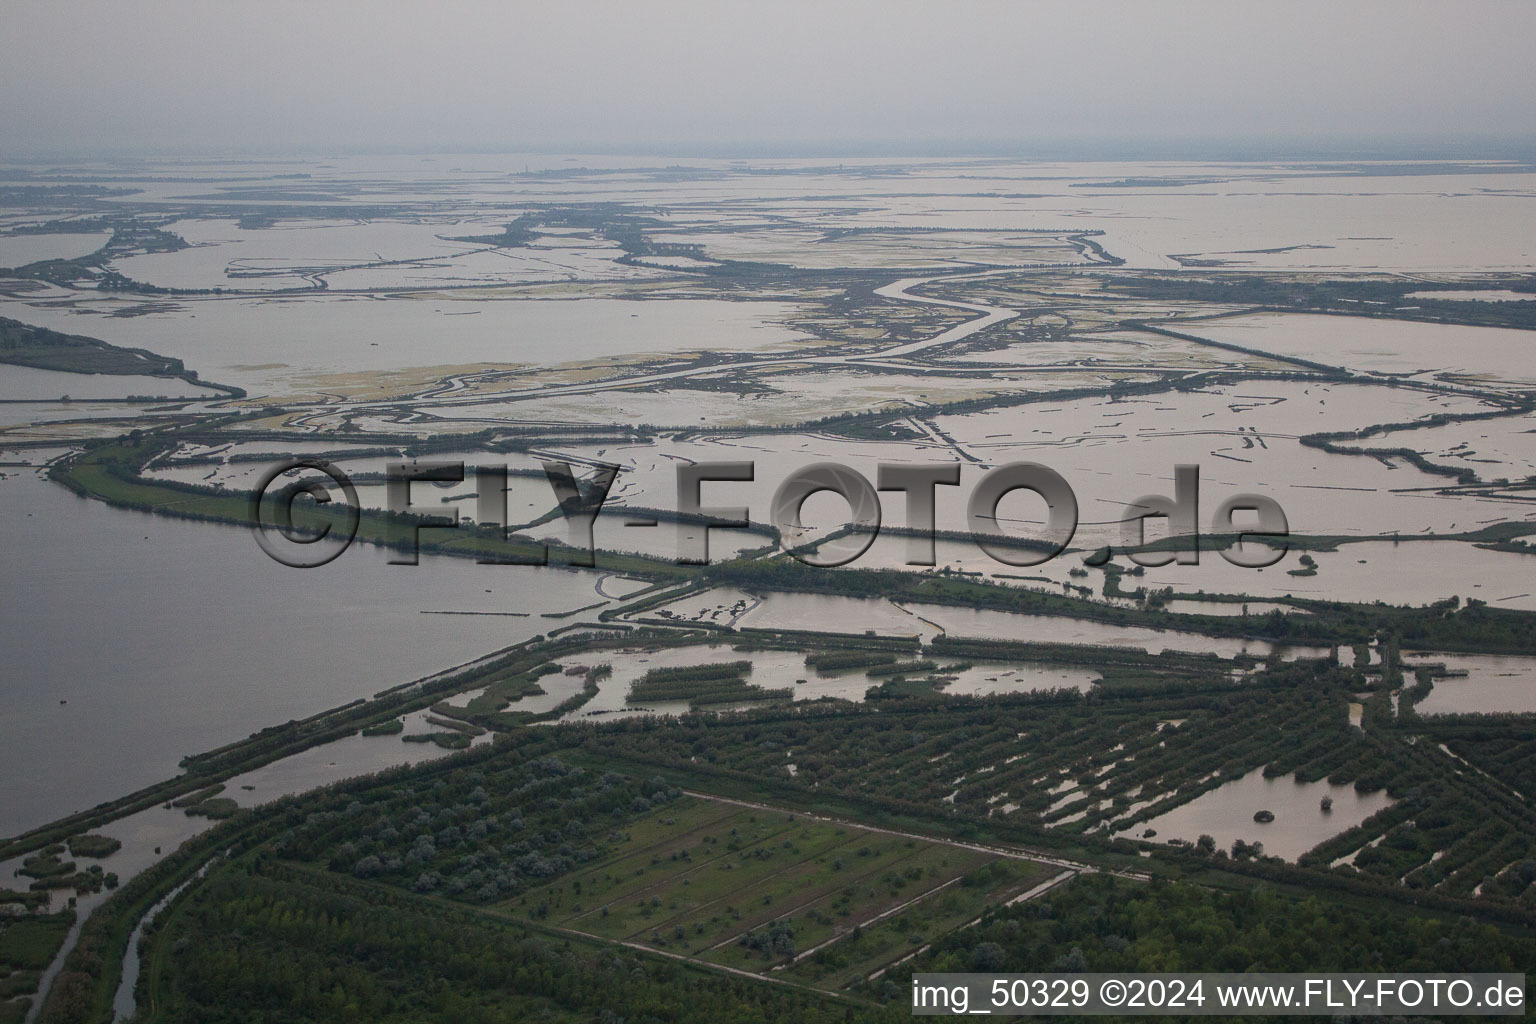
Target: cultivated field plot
[770,891]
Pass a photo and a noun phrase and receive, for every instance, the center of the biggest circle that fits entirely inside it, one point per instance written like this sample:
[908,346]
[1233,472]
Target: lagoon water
[168,637]
[291,344]
[1384,346]
[19,250]
[1226,814]
[1403,572]
[1493,684]
[31,384]
[128,640]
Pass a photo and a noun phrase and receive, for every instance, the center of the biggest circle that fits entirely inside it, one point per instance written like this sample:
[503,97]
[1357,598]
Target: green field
[27,945]
[700,877]
[912,928]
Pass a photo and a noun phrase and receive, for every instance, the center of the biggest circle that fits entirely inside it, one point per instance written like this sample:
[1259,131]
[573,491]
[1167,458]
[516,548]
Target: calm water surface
[129,641]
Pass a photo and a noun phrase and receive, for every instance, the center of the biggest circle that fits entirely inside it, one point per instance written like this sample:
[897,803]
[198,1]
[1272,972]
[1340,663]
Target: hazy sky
[171,77]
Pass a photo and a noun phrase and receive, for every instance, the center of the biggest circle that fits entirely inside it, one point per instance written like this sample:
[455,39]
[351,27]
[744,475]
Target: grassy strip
[111,473]
[719,690]
[1438,626]
[829,662]
[26,345]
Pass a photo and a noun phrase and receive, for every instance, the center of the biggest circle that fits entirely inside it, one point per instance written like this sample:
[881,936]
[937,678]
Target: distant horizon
[1205,149]
[1046,79]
